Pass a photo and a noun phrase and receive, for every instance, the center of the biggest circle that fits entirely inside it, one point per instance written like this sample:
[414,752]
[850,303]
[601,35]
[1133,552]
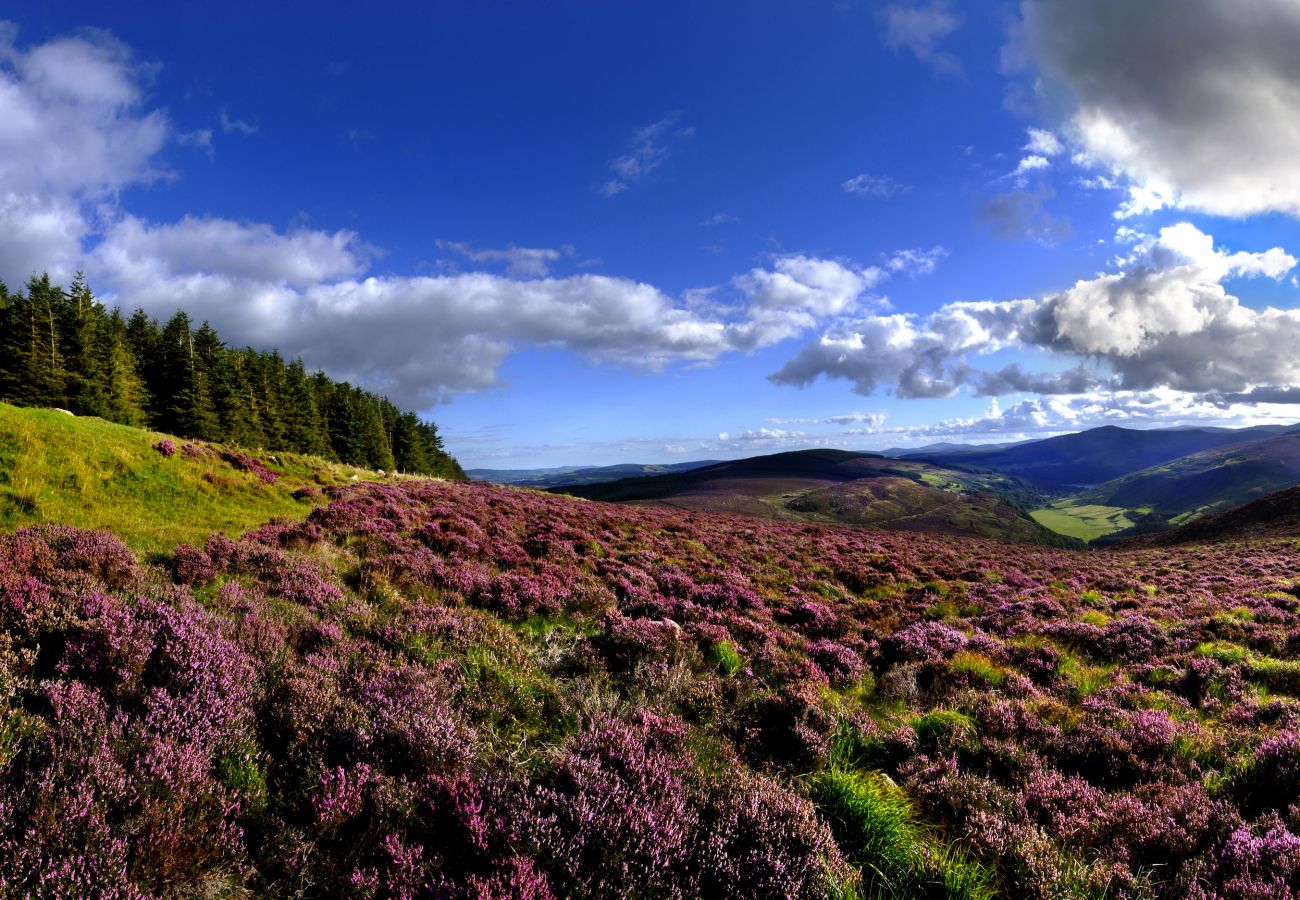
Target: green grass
[83,471]
[1086,523]
[877,830]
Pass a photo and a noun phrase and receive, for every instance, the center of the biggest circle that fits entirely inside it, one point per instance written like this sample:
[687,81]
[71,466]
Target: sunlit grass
[90,473]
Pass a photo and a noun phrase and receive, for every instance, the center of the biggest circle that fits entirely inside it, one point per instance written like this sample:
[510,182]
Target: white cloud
[73,136]
[200,139]
[1043,143]
[823,287]
[880,186]
[868,420]
[1164,322]
[520,262]
[916,261]
[650,148]
[1194,102]
[1031,163]
[231,125]
[921,29]
[720,219]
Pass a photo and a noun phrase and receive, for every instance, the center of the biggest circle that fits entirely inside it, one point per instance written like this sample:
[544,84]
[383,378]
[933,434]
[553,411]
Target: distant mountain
[947,447]
[843,487]
[1092,457]
[563,475]
[1273,515]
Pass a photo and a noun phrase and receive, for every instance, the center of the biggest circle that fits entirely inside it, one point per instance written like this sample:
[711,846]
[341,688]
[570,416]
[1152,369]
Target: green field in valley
[1086,523]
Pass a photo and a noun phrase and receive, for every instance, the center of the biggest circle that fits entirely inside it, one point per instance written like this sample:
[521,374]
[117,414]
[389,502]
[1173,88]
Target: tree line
[63,348]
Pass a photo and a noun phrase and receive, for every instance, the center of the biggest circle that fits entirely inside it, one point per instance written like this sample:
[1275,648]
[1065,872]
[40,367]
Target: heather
[455,690]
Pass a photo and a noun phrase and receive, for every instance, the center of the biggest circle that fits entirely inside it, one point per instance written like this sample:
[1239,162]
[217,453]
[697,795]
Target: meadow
[457,690]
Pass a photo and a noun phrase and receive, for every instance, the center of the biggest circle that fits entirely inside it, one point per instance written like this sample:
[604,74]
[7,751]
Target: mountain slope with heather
[471,691]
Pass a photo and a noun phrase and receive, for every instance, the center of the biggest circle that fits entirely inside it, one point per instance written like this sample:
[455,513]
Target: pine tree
[190,411]
[81,319]
[34,372]
[125,398]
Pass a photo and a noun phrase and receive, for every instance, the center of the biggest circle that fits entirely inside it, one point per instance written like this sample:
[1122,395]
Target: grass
[875,826]
[83,471]
[978,666]
[1086,523]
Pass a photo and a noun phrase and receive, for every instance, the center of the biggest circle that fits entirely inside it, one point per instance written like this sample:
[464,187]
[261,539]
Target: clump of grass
[978,666]
[1093,599]
[726,658]
[878,832]
[944,729]
[1224,651]
[1086,678]
[1095,617]
[1281,675]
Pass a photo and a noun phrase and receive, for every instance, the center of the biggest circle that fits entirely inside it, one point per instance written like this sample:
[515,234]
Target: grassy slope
[93,474]
[1086,522]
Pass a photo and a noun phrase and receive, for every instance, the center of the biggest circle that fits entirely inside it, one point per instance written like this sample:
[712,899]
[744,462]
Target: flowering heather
[165,447]
[245,463]
[431,689]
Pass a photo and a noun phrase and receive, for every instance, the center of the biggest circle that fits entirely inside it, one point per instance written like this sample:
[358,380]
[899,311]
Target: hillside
[83,471]
[1079,461]
[496,692]
[1178,491]
[564,475]
[843,487]
[1275,515]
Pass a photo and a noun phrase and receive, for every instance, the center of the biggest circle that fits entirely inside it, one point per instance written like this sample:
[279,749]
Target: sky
[588,233]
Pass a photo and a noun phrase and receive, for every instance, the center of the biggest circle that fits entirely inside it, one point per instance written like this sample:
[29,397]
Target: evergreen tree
[125,398]
[80,321]
[33,374]
[190,411]
[302,422]
[63,348]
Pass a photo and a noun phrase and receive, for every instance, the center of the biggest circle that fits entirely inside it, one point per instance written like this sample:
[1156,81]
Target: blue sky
[581,232]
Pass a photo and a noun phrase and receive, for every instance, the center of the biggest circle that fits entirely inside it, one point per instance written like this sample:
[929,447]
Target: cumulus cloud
[74,135]
[650,148]
[823,287]
[1165,321]
[77,133]
[921,29]
[1193,102]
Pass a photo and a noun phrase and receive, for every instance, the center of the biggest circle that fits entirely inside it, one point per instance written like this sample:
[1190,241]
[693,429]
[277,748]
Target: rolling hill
[843,487]
[1272,516]
[562,475]
[1089,458]
[1178,491]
